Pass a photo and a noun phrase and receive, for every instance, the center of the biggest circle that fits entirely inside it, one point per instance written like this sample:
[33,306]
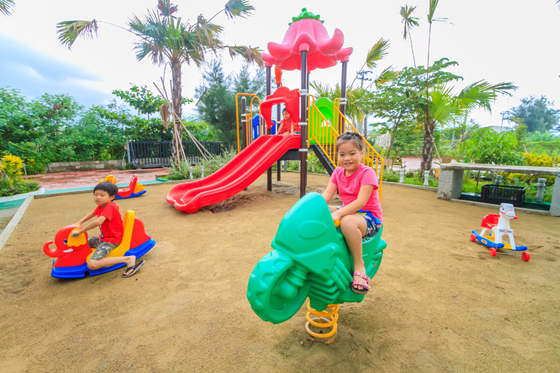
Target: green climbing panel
[317,124]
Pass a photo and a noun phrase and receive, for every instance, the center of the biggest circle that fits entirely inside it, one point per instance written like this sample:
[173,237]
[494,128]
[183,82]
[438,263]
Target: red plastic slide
[235,176]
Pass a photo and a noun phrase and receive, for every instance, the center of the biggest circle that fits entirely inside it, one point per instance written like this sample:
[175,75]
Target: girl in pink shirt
[360,215]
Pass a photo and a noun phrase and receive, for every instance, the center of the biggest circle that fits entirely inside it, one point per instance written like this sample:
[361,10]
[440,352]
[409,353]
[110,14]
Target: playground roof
[307,33]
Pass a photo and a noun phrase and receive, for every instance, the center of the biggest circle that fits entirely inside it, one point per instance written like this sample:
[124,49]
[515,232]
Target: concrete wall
[80,166]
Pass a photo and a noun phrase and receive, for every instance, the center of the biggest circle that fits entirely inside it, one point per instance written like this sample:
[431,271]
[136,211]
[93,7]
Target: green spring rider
[310,259]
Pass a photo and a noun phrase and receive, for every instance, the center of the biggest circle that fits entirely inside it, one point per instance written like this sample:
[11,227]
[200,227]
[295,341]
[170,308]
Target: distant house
[382,141]
[498,128]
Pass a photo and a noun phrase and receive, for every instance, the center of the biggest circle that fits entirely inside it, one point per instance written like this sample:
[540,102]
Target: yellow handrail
[248,119]
[321,131]
[324,134]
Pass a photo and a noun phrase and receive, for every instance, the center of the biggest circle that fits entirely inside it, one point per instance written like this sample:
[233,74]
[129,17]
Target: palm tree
[376,53]
[6,6]
[167,39]
[409,22]
[443,107]
[429,143]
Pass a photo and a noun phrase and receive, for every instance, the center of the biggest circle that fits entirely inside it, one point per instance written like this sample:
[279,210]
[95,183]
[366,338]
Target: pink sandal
[355,284]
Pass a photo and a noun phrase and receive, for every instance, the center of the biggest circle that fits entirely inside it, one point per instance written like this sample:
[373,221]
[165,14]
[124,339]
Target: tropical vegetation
[56,128]
[171,41]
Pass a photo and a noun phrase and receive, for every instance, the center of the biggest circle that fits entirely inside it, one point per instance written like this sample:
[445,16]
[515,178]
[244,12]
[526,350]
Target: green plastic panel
[310,259]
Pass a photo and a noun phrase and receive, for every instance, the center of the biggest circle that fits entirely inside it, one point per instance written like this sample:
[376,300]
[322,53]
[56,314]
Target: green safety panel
[310,259]
[325,107]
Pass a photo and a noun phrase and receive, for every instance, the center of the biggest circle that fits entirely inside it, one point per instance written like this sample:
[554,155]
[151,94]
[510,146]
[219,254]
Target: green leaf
[68,31]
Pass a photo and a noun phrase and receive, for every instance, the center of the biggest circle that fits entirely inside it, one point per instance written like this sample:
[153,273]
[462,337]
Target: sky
[494,40]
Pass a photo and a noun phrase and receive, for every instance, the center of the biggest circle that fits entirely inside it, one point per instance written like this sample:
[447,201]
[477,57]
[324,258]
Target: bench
[451,179]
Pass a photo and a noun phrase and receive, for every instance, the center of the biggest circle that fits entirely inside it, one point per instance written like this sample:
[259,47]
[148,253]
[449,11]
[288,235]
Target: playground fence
[150,154]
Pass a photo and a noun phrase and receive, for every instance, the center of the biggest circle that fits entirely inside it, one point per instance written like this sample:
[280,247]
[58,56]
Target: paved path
[80,179]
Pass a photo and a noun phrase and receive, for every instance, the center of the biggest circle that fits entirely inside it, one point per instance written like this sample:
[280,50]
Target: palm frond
[68,31]
[238,8]
[387,75]
[432,10]
[443,105]
[483,94]
[207,32]
[166,8]
[165,115]
[6,6]
[408,21]
[322,90]
[251,55]
[377,52]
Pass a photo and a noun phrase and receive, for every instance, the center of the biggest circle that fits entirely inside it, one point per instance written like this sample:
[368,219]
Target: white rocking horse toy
[498,227]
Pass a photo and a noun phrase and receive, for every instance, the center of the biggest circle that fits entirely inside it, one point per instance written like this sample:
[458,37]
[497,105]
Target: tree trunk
[393,133]
[177,111]
[428,148]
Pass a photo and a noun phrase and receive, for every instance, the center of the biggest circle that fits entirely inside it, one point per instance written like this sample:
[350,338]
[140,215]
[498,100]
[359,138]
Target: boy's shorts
[102,248]
[373,224]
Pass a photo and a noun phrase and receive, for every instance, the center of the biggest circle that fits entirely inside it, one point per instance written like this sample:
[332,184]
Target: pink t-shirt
[349,188]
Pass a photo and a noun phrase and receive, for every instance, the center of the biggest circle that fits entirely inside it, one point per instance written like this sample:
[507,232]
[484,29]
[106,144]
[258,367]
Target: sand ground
[439,303]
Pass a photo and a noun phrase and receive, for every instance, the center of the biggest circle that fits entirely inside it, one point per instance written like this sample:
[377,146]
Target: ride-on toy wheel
[526,256]
[273,295]
[493,252]
[473,237]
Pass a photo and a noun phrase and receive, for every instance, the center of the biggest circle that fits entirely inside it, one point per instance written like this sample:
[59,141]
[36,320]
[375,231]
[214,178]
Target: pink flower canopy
[307,33]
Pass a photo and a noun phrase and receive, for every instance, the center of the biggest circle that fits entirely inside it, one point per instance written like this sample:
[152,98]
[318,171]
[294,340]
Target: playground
[439,302]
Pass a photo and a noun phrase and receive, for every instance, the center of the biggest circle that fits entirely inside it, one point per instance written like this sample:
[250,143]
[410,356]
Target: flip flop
[363,284]
[134,269]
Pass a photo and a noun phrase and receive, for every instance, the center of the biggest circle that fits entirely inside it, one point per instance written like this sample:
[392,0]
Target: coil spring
[325,322]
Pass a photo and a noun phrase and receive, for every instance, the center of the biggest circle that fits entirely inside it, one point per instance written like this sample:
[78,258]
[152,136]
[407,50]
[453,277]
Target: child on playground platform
[360,215]
[109,221]
[288,126]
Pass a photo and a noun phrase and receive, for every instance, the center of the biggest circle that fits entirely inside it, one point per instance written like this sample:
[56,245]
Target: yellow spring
[324,323]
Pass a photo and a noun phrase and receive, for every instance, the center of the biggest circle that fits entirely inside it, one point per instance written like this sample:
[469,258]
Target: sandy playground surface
[439,302]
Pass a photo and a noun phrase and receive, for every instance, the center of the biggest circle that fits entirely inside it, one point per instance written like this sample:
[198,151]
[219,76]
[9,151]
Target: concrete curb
[47,195]
[5,235]
[432,189]
[497,207]
[22,196]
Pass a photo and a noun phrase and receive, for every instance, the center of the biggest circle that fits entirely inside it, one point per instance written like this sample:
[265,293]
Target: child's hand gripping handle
[76,232]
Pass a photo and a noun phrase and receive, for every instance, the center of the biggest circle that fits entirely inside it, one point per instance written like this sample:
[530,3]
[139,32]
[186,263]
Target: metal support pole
[342,107]
[268,93]
[243,122]
[278,113]
[303,125]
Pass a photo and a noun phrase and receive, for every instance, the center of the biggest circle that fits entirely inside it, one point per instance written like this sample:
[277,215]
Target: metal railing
[148,154]
[245,138]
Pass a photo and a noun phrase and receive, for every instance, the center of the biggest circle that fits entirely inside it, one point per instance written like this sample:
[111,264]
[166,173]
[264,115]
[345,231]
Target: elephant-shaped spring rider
[310,259]
[134,189]
[72,254]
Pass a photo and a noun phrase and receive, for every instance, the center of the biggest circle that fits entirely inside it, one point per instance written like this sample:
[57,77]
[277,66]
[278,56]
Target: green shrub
[10,188]
[181,171]
[391,176]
